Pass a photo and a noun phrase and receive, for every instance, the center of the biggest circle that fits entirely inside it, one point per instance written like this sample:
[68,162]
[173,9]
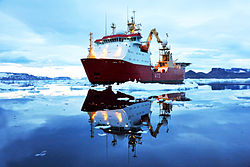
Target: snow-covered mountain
[25,76]
[220,73]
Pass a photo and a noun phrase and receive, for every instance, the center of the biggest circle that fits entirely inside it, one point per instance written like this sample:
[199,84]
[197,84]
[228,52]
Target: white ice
[19,89]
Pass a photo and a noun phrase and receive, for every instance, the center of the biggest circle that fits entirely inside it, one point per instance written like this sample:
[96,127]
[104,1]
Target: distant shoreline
[25,76]
[220,73]
[215,73]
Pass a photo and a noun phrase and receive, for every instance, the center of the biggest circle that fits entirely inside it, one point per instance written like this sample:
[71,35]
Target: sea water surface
[85,126]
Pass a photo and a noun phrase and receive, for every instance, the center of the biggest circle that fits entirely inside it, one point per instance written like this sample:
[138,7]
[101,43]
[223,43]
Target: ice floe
[102,134]
[103,127]
[244,104]
[43,153]
[138,86]
[18,89]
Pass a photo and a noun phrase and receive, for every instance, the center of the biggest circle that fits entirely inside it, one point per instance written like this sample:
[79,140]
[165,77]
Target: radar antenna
[113,26]
[132,27]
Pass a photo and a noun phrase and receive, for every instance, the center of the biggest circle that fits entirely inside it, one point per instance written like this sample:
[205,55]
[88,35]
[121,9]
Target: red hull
[105,71]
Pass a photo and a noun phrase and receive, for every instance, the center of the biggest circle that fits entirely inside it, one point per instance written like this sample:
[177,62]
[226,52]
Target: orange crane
[144,48]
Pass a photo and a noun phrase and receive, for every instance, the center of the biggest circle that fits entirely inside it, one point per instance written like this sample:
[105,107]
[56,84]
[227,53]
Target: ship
[122,57]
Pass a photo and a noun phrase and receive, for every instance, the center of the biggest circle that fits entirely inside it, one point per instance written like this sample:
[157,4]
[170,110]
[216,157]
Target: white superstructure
[121,47]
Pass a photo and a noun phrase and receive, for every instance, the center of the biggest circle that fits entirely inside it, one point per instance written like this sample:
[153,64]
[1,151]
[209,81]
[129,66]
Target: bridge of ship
[119,38]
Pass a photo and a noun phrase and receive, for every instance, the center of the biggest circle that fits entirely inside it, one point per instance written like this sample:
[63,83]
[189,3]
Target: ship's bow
[106,71]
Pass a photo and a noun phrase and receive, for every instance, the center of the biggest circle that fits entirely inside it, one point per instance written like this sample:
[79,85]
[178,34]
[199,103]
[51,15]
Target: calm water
[209,126]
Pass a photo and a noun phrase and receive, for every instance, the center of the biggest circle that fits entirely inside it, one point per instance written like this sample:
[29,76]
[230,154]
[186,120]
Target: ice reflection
[123,116]
[229,86]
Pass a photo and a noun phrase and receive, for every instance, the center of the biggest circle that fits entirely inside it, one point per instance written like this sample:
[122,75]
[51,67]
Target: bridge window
[118,39]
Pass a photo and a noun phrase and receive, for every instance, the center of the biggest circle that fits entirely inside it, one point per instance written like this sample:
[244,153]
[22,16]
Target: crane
[145,48]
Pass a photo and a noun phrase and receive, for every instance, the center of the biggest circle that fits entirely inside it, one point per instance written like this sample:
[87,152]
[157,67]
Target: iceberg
[43,153]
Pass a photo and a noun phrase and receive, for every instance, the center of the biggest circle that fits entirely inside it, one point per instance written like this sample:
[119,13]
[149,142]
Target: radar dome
[165,42]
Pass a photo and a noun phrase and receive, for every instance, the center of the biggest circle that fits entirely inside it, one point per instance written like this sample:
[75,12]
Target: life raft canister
[164,70]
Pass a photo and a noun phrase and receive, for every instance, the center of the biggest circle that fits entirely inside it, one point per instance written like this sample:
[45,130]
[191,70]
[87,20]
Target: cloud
[19,60]
[20,44]
[243,62]
[15,33]
[55,33]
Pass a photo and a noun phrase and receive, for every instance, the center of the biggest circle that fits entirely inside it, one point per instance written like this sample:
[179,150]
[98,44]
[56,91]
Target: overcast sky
[49,37]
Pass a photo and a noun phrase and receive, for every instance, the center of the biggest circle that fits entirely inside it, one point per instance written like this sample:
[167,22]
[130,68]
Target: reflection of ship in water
[124,116]
[118,114]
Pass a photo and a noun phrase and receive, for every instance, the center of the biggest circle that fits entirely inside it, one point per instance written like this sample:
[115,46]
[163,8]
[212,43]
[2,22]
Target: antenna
[113,28]
[127,13]
[134,16]
[105,23]
[127,19]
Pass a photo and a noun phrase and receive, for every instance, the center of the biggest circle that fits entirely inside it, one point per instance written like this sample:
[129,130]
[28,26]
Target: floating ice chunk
[144,131]
[103,127]
[204,105]
[197,106]
[34,91]
[168,101]
[76,87]
[42,88]
[245,104]
[124,98]
[102,134]
[6,86]
[153,86]
[138,86]
[43,153]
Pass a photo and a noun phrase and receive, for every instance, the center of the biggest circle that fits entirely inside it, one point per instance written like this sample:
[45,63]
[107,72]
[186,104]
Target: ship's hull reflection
[124,116]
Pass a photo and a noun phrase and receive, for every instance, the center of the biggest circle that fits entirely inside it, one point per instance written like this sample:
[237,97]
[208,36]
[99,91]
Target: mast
[134,16]
[132,27]
[113,26]
[127,19]
[90,55]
